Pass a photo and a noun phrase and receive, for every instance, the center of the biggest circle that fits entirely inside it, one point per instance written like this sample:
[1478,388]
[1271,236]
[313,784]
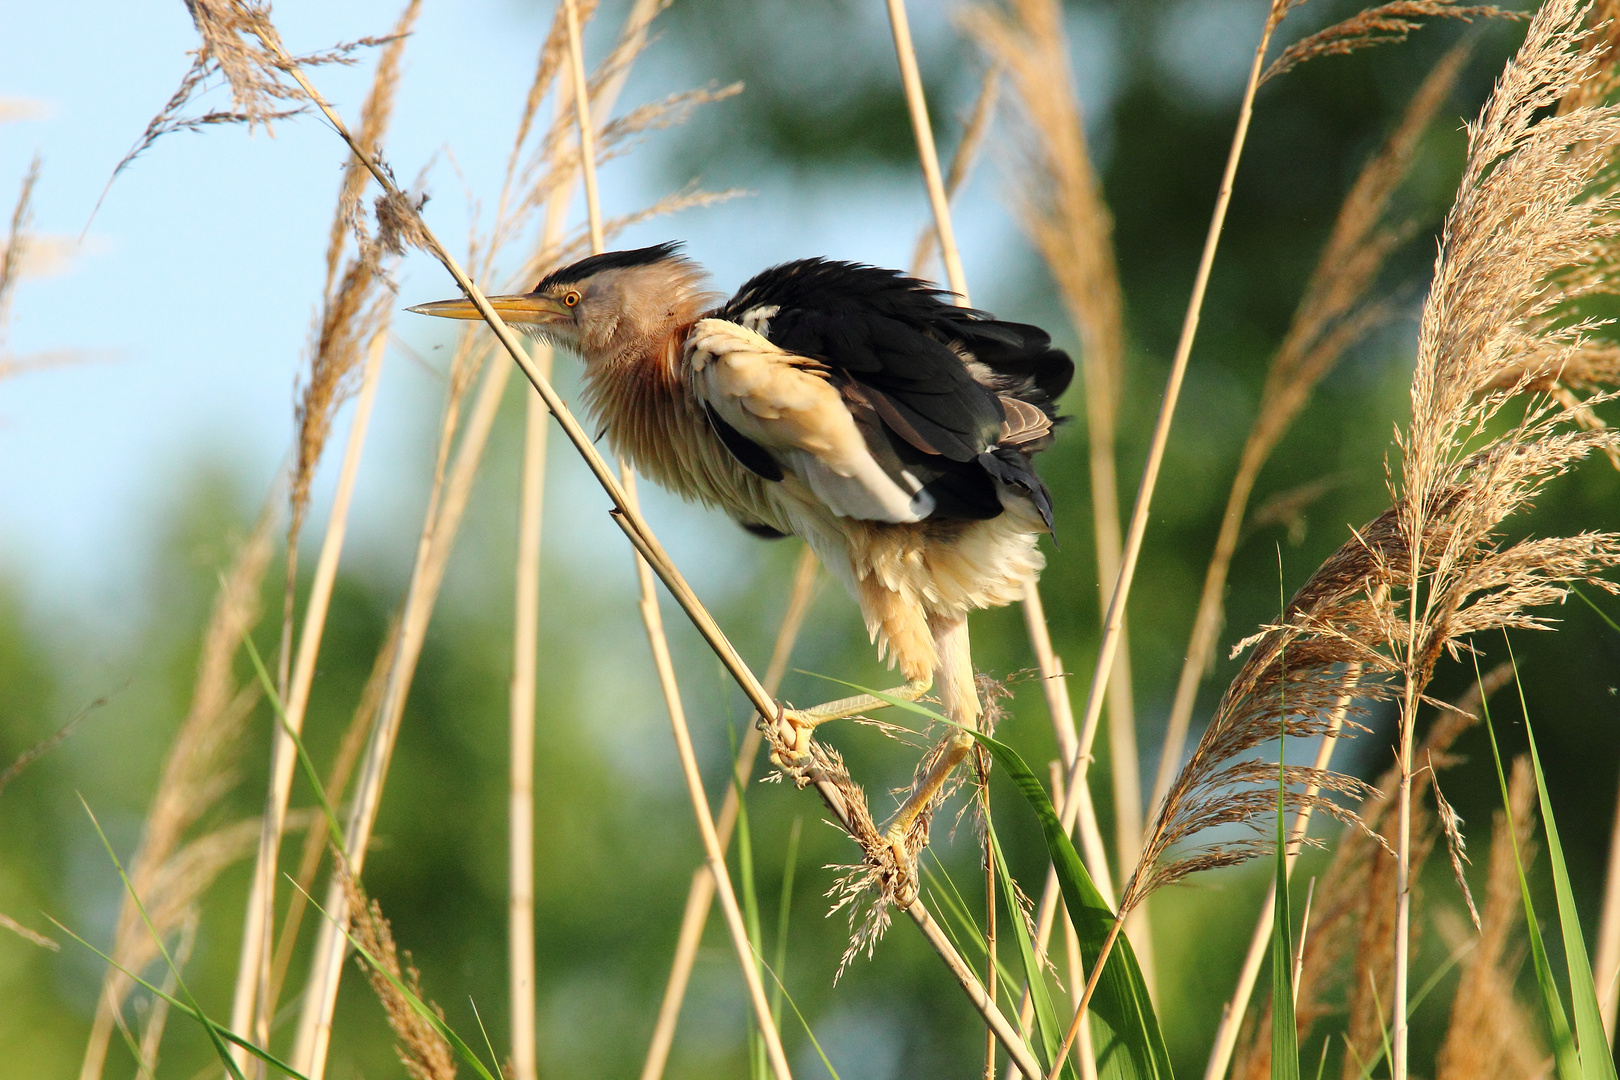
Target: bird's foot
[904,887]
[790,734]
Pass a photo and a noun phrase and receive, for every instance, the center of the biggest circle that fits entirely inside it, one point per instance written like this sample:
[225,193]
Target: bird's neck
[638,394]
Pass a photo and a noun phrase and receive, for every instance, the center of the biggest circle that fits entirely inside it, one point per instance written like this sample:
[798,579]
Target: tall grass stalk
[1035,619]
[714,854]
[1606,965]
[1333,312]
[1050,669]
[1113,626]
[252,1005]
[1060,205]
[1079,766]
[700,895]
[520,797]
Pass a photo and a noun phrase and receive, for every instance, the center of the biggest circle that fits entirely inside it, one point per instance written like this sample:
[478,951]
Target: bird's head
[600,306]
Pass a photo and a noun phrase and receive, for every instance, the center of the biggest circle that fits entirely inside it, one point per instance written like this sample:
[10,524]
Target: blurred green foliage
[616,843]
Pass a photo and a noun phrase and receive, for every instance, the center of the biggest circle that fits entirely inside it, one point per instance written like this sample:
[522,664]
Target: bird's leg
[908,636]
[805,721]
[961,700]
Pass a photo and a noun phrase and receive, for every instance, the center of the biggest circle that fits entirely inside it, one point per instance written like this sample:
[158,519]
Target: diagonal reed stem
[646,543]
[700,896]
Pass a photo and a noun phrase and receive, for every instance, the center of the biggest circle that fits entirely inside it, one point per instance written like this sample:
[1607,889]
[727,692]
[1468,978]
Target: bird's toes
[790,735]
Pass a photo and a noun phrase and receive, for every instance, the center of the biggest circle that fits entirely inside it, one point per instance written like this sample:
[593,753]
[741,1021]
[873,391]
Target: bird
[856,407]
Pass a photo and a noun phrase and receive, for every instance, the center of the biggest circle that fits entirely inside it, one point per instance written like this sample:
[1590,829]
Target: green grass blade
[1383,1028]
[1284,1027]
[224,1033]
[1284,1031]
[419,1006]
[784,909]
[493,1056]
[1597,1061]
[1565,1059]
[314,778]
[1125,1029]
[208,1025]
[1047,1024]
[1604,615]
[781,989]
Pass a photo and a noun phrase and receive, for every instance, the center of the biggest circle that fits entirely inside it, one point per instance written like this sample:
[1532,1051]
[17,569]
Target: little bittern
[851,406]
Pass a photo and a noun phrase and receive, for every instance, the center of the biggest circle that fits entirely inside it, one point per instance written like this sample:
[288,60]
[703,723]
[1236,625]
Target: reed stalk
[714,855]
[252,1005]
[1332,313]
[1080,765]
[1113,626]
[1606,970]
[1051,672]
[700,895]
[520,797]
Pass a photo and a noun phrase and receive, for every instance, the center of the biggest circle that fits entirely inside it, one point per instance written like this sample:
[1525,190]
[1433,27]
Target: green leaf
[195,1014]
[1284,1030]
[1125,1029]
[1597,1061]
[1046,1020]
[213,1029]
[333,828]
[1565,1059]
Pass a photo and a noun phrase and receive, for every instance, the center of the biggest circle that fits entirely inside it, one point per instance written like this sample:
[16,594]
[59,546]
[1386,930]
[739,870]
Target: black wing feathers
[931,372]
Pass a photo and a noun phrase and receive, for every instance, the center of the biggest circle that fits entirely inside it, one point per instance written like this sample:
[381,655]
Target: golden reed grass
[352,322]
[1337,308]
[1351,949]
[421,1049]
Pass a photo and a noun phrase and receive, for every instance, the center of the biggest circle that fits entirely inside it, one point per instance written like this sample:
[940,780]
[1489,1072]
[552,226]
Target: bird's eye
[571,298]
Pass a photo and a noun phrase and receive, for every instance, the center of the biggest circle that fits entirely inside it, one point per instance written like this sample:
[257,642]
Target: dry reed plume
[240,47]
[1336,309]
[1382,24]
[11,258]
[1530,237]
[1350,947]
[421,1049]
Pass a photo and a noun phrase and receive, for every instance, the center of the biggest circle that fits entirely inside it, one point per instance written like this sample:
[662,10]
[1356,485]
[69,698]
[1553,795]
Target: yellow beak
[528,309]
